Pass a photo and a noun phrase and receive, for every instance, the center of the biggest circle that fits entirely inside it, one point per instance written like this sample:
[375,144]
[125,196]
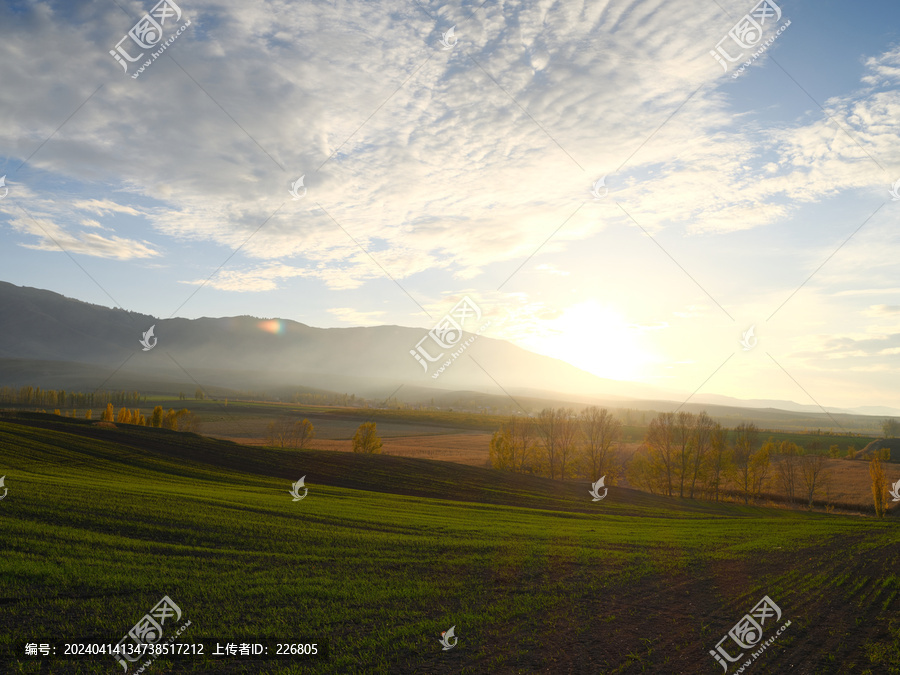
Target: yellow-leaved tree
[366,439]
[879,486]
[156,418]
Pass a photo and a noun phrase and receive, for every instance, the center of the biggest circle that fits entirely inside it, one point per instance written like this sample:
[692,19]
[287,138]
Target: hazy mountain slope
[240,352]
[57,342]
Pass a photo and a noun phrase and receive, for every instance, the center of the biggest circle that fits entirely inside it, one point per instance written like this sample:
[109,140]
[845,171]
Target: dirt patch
[471,449]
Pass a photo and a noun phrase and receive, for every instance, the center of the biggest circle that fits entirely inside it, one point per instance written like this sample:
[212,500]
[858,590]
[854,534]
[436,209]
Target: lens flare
[273,326]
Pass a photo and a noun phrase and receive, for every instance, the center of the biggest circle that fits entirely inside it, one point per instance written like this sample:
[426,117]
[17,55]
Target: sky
[588,174]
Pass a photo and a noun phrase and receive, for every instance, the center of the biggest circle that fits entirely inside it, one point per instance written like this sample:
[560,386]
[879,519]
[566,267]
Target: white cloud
[53,236]
[252,280]
[103,207]
[90,244]
[450,172]
[450,166]
[448,175]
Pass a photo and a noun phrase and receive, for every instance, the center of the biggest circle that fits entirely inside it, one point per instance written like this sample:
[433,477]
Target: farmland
[385,553]
[464,438]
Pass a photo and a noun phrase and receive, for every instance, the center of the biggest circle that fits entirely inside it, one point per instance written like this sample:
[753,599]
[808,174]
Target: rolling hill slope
[90,446]
[384,554]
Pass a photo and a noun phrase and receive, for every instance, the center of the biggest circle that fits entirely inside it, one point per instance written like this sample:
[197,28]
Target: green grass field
[385,553]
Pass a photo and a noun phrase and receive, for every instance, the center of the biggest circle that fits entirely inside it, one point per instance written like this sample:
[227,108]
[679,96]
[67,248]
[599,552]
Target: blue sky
[433,174]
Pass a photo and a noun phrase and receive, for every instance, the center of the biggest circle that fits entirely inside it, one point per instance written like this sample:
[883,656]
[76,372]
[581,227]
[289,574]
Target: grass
[385,553]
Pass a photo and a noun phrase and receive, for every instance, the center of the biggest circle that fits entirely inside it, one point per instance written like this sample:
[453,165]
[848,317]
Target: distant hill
[52,341]
[55,335]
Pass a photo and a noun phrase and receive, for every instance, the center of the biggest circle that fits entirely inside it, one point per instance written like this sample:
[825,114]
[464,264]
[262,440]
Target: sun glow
[596,339]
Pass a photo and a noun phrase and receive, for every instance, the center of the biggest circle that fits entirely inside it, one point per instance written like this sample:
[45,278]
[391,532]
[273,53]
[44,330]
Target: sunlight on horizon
[597,339]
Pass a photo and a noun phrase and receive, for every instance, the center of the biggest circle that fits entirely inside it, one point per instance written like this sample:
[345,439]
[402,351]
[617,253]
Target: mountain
[50,335]
[777,404]
[51,341]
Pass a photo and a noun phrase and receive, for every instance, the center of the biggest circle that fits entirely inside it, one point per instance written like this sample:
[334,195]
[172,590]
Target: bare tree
[644,471]
[185,420]
[745,436]
[760,462]
[548,426]
[788,469]
[279,432]
[812,470]
[302,433]
[683,430]
[701,445]
[600,430]
[717,464]
[660,444]
[567,445]
[522,436]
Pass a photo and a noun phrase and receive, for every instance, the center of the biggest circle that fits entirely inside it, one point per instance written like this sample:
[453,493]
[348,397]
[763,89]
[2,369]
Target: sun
[595,338]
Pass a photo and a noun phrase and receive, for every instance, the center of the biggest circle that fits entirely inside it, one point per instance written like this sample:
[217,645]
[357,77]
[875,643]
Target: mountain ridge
[43,328]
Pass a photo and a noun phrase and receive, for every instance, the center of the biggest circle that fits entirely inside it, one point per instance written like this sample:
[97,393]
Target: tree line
[691,455]
[682,455]
[60,398]
[344,400]
[176,420]
[560,444]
